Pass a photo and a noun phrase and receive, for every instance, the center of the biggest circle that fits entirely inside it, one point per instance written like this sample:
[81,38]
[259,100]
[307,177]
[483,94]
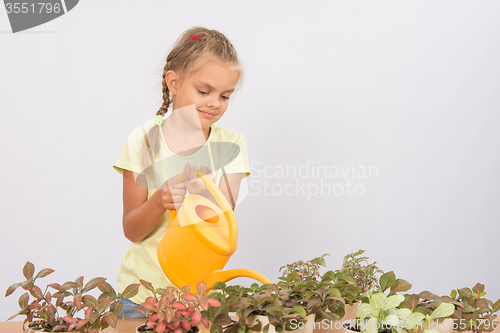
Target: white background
[410,88]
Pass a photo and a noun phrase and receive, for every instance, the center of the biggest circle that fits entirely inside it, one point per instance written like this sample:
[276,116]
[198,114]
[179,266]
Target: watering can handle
[224,206]
[217,194]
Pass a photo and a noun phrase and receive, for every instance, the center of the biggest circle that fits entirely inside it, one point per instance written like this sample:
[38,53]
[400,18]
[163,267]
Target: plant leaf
[299,310]
[105,287]
[68,285]
[392,302]
[93,283]
[223,319]
[147,285]
[90,302]
[79,282]
[443,310]
[202,288]
[400,286]
[23,300]
[465,292]
[427,295]
[219,285]
[478,288]
[387,280]
[104,304]
[28,270]
[55,286]
[12,288]
[130,291]
[44,272]
[111,318]
[364,310]
[195,320]
[495,307]
[213,302]
[36,292]
[189,297]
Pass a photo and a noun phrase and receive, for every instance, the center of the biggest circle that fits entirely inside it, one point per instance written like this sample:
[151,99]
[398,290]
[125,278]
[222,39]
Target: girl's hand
[193,184]
[172,193]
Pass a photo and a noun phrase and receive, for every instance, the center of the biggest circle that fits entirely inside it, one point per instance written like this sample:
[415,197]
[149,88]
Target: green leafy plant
[477,313]
[361,270]
[230,299]
[426,302]
[71,297]
[380,313]
[347,290]
[271,301]
[303,285]
[304,271]
[414,321]
[176,310]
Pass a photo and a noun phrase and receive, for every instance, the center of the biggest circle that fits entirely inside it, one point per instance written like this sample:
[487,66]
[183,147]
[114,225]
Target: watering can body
[200,239]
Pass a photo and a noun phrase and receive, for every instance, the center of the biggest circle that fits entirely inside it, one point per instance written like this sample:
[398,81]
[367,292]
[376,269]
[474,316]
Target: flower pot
[252,320]
[351,312]
[307,327]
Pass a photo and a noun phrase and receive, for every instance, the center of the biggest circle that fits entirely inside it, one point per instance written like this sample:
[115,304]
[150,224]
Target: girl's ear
[171,80]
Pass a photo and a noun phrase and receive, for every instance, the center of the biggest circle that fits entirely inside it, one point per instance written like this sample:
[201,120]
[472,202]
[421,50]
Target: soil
[42,326]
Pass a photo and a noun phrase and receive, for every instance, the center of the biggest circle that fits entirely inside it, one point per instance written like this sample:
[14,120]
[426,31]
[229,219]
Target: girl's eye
[202,92]
[225,97]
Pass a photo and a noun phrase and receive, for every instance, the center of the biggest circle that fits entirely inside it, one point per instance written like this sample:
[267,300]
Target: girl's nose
[214,103]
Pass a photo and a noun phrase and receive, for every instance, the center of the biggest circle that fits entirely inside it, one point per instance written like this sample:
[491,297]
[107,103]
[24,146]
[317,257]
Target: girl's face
[208,89]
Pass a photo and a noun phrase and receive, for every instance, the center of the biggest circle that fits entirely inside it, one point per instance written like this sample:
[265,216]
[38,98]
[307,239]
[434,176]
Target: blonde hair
[185,59]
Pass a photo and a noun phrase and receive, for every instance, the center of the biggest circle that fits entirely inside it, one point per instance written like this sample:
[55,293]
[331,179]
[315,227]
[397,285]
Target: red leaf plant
[172,310]
[71,299]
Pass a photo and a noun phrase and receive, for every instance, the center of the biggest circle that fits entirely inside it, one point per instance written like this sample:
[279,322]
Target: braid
[165,92]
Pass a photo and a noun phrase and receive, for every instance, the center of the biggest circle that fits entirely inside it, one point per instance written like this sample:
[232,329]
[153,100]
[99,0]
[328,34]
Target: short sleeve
[130,155]
[239,159]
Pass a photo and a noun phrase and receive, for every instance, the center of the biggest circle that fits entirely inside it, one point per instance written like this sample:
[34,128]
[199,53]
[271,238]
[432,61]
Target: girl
[200,74]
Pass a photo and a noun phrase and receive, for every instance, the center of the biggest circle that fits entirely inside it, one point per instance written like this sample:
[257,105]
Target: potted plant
[322,296]
[269,308]
[477,313]
[426,303]
[416,321]
[364,275]
[175,310]
[379,312]
[41,308]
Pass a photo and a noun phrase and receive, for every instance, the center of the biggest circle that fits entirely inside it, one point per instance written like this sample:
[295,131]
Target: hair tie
[195,37]
[158,120]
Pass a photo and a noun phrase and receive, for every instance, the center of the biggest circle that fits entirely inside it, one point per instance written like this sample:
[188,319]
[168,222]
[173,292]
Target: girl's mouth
[208,115]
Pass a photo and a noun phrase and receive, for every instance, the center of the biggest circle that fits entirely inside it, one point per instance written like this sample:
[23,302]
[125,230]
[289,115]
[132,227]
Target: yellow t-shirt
[225,151]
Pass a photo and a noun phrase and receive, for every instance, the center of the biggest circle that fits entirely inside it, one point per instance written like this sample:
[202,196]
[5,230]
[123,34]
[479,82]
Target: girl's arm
[141,215]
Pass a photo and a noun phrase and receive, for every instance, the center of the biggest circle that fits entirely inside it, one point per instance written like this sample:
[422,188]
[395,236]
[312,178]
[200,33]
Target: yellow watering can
[200,239]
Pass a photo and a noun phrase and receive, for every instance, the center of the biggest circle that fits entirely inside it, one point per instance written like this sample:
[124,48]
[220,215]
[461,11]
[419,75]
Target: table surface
[127,326]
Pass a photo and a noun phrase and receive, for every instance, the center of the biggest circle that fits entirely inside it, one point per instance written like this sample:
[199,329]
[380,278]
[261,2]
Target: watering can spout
[220,275]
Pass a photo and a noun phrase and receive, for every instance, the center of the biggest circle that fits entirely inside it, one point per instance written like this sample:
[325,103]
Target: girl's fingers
[178,192]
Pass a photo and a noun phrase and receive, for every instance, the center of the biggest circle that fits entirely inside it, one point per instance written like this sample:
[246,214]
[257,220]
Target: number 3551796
[40,7]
